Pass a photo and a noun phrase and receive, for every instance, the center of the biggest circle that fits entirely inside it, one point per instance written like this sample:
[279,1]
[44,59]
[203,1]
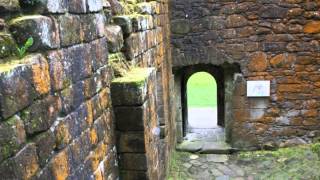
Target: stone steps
[205,147]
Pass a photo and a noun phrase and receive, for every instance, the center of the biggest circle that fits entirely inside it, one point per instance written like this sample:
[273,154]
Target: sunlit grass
[202,90]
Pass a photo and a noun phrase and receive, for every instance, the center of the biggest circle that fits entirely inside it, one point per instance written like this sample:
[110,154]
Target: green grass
[202,90]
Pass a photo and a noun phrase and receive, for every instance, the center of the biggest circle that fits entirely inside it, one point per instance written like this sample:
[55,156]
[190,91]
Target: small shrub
[22,51]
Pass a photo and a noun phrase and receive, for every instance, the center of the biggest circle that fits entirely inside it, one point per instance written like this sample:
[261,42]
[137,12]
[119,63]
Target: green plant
[316,149]
[22,51]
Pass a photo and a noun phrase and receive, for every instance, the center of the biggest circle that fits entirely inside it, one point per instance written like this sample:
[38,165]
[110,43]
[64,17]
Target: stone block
[144,8]
[7,6]
[114,38]
[98,54]
[136,44]
[12,137]
[234,21]
[77,6]
[45,143]
[59,165]
[131,161]
[80,63]
[41,28]
[312,27]
[180,26]
[24,165]
[130,118]
[131,89]
[124,22]
[7,46]
[273,12]
[142,22]
[41,114]
[72,97]
[70,29]
[258,62]
[21,83]
[131,142]
[133,175]
[100,102]
[92,26]
[60,70]
[47,6]
[94,5]
[116,7]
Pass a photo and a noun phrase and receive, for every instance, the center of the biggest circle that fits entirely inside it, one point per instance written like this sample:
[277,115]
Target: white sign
[258,88]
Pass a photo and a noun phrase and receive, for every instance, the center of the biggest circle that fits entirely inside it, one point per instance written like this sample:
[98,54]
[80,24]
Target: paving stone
[187,165]
[216,148]
[190,146]
[217,158]
[195,162]
[216,172]
[223,178]
[194,157]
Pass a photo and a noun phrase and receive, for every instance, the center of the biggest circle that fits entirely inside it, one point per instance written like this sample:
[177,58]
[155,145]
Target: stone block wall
[56,113]
[267,40]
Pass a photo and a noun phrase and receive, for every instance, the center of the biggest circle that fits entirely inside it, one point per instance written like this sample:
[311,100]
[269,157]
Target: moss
[7,45]
[136,76]
[6,67]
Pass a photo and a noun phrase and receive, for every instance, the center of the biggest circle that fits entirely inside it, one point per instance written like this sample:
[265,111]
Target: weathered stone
[47,6]
[77,6]
[116,7]
[41,28]
[142,22]
[282,60]
[70,29]
[23,165]
[114,38]
[41,115]
[236,21]
[144,8]
[94,5]
[131,142]
[9,6]
[12,137]
[21,83]
[312,27]
[45,143]
[258,62]
[273,11]
[124,22]
[131,89]
[130,118]
[132,161]
[180,26]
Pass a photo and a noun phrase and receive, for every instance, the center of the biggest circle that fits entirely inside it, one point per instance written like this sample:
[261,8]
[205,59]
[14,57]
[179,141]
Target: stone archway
[214,71]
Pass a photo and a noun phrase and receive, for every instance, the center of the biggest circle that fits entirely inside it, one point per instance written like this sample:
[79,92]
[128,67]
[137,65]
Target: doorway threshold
[205,141]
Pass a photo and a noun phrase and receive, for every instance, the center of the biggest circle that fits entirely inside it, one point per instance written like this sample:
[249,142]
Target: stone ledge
[131,89]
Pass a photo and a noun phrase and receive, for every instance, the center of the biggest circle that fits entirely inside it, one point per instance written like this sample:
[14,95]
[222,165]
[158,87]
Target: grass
[202,90]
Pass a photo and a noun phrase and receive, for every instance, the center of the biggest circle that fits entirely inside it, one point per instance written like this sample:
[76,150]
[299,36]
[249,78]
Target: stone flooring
[204,138]
[296,164]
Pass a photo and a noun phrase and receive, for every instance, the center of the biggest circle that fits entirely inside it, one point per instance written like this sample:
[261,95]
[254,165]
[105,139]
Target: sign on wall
[258,88]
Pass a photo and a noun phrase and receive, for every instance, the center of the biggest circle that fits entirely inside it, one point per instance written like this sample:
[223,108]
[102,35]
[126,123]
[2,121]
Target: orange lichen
[60,166]
[41,77]
[312,27]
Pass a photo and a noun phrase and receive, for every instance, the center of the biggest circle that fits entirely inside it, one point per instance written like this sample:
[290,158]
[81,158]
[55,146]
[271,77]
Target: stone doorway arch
[217,73]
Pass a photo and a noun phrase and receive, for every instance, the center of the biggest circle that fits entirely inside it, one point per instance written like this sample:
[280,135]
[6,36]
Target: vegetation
[202,90]
[22,51]
[287,163]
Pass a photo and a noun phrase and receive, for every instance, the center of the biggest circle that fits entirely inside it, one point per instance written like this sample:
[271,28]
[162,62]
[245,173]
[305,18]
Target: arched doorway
[202,101]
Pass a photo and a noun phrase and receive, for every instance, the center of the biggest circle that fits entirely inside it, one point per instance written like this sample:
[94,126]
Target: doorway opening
[201,97]
[202,101]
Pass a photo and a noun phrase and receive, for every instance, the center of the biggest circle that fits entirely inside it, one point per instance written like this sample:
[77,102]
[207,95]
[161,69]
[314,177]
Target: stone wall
[268,40]
[57,119]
